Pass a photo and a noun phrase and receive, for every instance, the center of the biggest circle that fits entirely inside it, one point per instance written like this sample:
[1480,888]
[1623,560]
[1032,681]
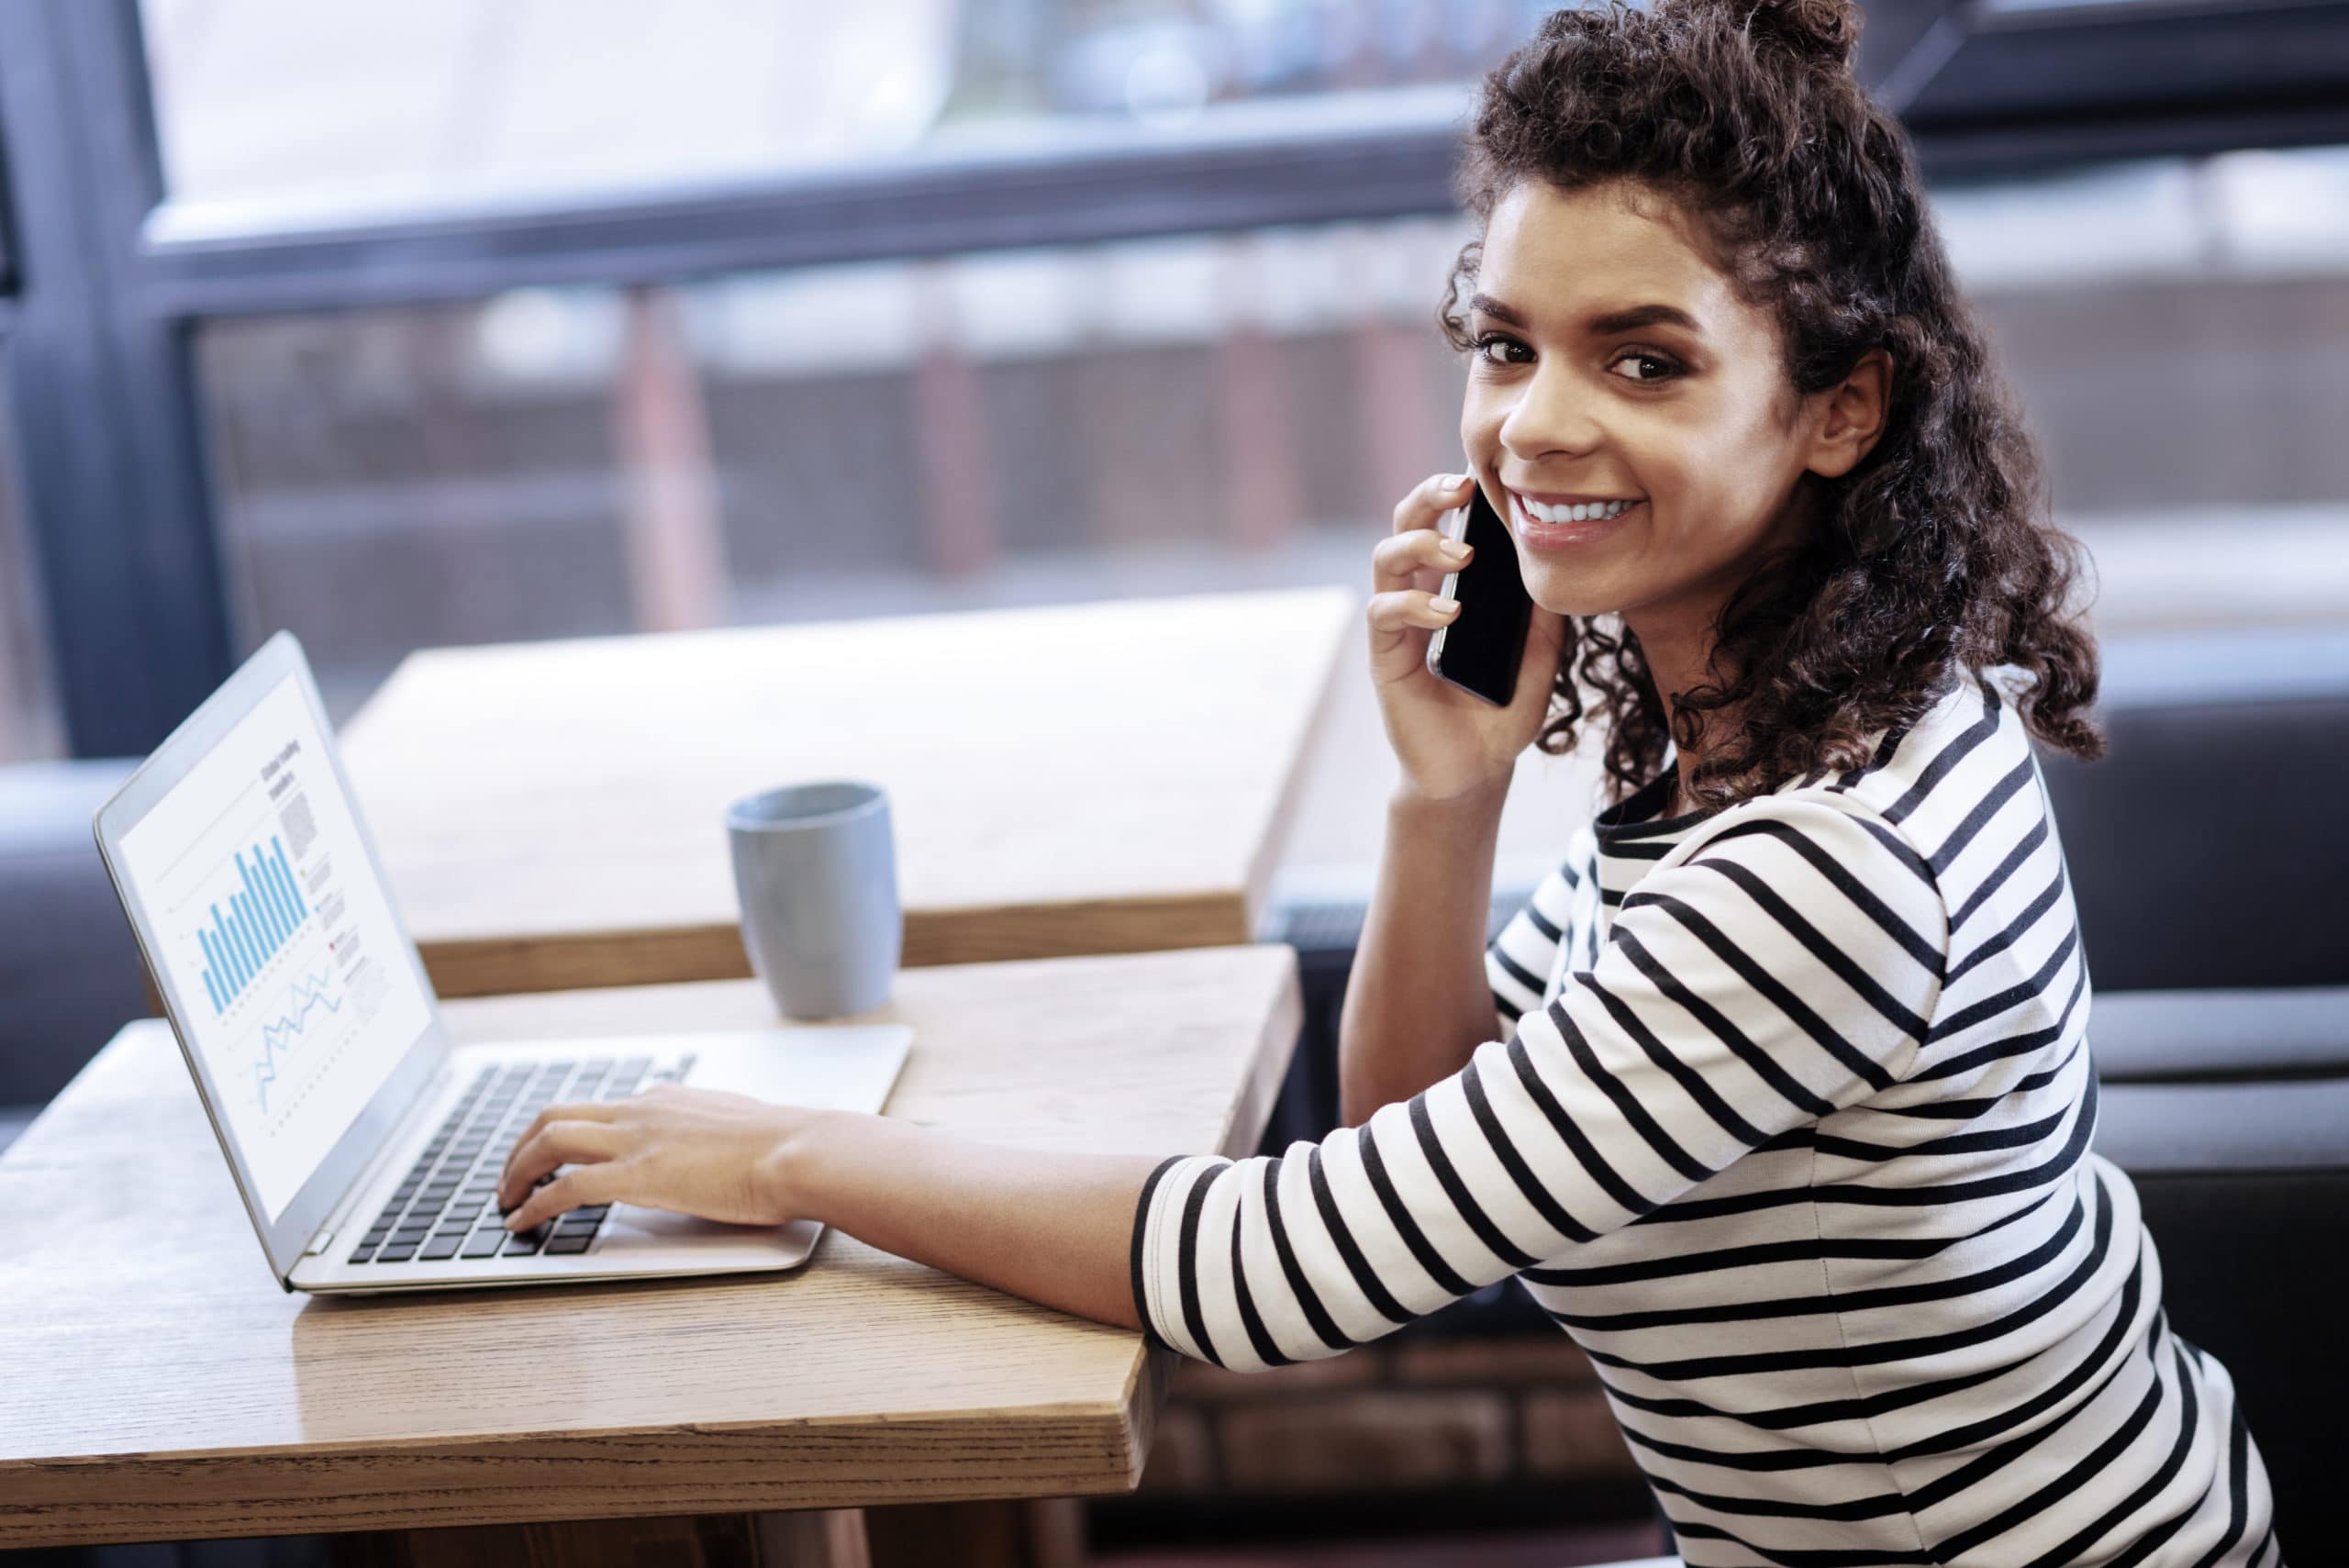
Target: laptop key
[562,1243]
[522,1244]
[486,1243]
[364,1251]
[440,1247]
[396,1251]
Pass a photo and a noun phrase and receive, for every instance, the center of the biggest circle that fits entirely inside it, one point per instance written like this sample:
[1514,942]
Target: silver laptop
[366,1148]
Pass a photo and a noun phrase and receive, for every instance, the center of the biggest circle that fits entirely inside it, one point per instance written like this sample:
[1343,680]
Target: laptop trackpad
[632,1229]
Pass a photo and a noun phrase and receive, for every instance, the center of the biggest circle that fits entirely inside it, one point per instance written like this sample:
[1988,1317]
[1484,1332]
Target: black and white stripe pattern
[1786,1121]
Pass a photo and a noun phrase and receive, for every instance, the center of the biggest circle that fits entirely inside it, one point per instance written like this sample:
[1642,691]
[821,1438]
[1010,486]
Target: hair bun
[1826,30]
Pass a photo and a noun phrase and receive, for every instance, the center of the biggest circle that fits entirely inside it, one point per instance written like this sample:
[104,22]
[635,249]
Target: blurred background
[450,322]
[456,321]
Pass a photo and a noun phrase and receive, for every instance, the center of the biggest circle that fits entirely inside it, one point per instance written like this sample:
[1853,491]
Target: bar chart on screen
[269,910]
[289,971]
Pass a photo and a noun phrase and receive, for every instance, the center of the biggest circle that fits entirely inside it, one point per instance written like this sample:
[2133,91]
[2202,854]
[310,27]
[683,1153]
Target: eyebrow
[1604,324]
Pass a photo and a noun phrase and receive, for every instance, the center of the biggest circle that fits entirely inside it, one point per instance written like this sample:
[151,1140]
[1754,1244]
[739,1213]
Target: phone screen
[1481,647]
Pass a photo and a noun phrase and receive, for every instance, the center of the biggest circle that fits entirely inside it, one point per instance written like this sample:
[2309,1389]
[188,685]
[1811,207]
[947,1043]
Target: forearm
[1055,1228]
[1417,1002]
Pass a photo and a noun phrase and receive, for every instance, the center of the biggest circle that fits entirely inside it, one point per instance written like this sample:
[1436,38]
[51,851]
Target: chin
[1562,591]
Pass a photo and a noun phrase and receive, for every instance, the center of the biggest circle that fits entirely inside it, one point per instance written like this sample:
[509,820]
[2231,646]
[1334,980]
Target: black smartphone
[1481,647]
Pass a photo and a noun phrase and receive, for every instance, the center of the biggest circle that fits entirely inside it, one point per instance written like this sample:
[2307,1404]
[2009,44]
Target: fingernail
[1456,480]
[1443,606]
[1456,549]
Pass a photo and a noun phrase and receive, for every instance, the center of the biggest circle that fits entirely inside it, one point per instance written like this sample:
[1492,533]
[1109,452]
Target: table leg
[822,1538]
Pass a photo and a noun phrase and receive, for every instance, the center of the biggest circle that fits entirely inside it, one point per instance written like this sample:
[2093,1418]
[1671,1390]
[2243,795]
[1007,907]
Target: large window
[29,718]
[1158,417]
[1172,415]
[570,316]
[2178,331]
[452,101]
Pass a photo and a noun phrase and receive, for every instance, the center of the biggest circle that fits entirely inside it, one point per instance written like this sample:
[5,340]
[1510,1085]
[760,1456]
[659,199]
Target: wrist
[1485,799]
[796,1175]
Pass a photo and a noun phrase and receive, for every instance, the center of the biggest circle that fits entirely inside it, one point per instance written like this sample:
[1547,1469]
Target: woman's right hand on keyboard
[1451,744]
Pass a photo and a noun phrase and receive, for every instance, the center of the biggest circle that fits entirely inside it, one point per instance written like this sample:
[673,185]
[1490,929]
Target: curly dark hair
[1934,547]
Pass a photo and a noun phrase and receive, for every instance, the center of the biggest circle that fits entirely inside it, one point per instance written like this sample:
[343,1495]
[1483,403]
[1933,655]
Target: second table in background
[1110,777]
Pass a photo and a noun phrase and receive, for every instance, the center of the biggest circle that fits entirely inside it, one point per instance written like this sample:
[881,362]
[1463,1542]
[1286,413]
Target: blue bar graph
[287,895]
[259,936]
[279,915]
[274,896]
[283,881]
[261,917]
[264,917]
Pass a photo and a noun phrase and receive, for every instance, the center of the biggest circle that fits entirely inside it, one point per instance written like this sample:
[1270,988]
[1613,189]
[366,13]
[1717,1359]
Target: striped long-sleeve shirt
[1786,1121]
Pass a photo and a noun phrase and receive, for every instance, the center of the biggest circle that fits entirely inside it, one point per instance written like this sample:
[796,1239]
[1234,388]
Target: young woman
[1777,1094]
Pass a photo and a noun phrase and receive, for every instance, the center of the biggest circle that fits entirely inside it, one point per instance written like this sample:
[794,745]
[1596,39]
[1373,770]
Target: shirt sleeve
[1787,967]
[1519,958]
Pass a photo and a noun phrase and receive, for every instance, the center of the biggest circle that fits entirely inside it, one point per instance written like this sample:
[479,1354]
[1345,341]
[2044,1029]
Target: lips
[1552,500]
[1539,534]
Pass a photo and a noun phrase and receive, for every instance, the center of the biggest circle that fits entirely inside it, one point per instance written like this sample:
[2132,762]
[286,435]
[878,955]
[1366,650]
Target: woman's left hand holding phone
[1451,746]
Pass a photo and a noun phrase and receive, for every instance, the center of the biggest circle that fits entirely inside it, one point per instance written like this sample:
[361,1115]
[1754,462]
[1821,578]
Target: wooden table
[161,1386]
[1110,777]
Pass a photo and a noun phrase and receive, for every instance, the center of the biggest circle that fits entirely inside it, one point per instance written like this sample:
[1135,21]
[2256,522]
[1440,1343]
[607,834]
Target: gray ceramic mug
[816,871]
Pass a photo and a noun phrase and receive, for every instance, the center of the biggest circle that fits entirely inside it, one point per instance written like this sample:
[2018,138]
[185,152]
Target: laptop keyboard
[447,1205]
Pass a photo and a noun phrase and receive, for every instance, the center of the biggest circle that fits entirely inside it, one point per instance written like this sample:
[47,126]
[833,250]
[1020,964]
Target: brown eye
[1671,368]
[1490,340]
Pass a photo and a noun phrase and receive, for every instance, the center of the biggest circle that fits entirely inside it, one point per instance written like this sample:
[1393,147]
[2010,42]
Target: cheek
[1480,424]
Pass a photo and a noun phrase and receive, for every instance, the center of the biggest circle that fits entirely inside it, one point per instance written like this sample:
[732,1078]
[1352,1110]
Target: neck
[1675,633]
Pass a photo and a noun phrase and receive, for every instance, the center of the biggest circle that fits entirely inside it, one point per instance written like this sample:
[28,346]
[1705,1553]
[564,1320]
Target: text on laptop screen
[293,982]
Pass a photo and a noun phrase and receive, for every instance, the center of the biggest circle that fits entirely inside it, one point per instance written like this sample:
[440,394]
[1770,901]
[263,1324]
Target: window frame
[104,279]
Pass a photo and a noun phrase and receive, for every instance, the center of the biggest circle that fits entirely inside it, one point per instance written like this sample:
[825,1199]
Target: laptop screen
[290,971]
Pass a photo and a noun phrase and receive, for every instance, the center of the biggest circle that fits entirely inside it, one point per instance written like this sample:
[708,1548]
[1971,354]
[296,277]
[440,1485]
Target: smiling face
[1575,392]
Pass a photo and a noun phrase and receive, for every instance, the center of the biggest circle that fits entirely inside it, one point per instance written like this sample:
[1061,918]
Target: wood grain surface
[1109,777]
[161,1385]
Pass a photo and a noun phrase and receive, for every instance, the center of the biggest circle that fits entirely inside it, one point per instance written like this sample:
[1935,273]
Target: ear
[1855,416]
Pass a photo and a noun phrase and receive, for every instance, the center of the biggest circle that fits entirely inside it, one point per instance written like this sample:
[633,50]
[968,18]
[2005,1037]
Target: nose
[1551,414]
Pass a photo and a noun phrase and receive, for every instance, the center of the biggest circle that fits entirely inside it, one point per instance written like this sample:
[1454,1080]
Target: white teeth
[1577,514]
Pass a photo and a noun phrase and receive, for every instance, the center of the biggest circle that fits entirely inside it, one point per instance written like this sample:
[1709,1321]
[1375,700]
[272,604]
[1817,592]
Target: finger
[1408,608]
[1430,499]
[570,1110]
[576,1188]
[1397,560]
[557,1143]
